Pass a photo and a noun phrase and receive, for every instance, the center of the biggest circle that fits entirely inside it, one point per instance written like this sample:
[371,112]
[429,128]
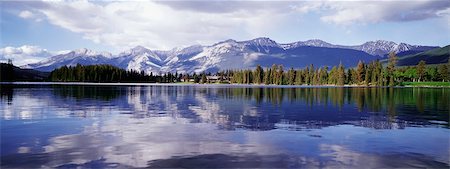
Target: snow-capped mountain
[138,58]
[312,42]
[80,56]
[377,48]
[232,54]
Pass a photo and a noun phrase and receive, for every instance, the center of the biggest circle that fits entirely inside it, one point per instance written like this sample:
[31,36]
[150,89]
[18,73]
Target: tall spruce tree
[360,72]
[391,68]
[341,75]
[258,75]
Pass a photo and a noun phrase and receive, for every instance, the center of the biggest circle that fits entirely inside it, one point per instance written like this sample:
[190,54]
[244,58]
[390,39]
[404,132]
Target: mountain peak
[81,51]
[138,50]
[261,41]
[89,52]
[381,42]
[230,54]
[311,42]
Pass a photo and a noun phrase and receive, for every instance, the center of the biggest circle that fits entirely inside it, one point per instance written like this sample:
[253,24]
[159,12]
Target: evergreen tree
[311,74]
[360,72]
[291,77]
[258,75]
[349,77]
[333,76]
[307,76]
[298,77]
[204,80]
[196,78]
[341,75]
[391,68]
[267,76]
[7,71]
[280,75]
[274,76]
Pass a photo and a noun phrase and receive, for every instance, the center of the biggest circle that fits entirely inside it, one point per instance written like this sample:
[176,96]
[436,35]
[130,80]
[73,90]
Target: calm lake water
[210,126]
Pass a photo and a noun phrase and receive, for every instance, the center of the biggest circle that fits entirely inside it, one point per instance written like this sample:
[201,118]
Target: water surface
[192,126]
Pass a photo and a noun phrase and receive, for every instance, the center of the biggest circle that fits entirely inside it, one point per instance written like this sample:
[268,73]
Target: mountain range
[232,54]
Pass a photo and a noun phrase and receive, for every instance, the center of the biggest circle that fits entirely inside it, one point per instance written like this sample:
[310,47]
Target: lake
[226,126]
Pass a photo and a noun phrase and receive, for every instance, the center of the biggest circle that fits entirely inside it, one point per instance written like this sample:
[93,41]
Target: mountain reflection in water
[223,126]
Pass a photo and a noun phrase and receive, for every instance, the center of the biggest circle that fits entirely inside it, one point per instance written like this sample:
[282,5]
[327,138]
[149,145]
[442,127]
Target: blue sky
[33,30]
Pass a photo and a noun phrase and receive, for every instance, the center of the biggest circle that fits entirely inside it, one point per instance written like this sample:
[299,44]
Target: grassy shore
[426,84]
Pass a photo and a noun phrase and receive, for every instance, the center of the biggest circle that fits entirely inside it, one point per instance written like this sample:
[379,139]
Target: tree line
[7,71]
[109,73]
[367,74]
[98,73]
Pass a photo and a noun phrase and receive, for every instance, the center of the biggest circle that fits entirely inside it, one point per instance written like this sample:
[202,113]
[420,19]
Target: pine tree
[196,78]
[323,75]
[204,80]
[267,76]
[341,75]
[333,76]
[360,72]
[307,76]
[258,75]
[274,76]
[391,68]
[280,75]
[298,77]
[291,77]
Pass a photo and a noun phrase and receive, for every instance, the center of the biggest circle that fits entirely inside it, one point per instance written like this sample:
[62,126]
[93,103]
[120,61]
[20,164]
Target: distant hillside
[13,73]
[434,56]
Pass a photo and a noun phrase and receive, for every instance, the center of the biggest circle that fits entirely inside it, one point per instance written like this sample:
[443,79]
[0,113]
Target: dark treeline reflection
[105,93]
[262,108]
[6,93]
[372,99]
[370,107]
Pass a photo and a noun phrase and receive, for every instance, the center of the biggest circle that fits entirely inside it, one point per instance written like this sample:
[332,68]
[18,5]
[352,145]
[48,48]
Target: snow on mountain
[230,54]
[80,56]
[377,48]
[139,58]
[262,45]
[312,42]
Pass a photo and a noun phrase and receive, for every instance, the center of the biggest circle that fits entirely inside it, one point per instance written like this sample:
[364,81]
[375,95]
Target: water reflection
[188,126]
[250,108]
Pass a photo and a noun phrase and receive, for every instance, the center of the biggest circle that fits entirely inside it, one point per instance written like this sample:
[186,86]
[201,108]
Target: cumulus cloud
[384,11]
[156,25]
[24,54]
[167,24]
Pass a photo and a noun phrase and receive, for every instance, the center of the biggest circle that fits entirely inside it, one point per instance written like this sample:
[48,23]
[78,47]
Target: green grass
[446,84]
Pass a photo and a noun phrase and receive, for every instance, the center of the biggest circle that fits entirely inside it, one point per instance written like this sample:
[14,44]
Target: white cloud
[26,14]
[363,12]
[168,24]
[24,54]
[157,25]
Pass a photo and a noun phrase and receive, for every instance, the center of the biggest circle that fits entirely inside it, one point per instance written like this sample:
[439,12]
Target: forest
[364,74]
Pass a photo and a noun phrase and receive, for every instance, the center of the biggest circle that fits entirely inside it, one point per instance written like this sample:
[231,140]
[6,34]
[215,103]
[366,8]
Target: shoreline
[213,84]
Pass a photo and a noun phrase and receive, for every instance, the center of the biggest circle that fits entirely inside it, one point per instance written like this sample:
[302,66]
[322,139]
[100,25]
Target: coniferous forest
[364,74]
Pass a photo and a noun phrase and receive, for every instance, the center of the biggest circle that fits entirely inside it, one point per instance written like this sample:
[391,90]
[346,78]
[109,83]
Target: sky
[34,30]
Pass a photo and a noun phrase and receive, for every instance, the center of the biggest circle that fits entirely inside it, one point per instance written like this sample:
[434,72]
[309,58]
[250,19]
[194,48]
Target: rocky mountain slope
[231,54]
